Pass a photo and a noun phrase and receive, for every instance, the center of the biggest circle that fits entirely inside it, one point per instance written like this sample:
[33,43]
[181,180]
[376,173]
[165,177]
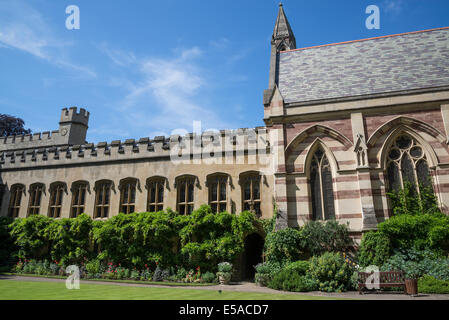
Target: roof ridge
[366,39]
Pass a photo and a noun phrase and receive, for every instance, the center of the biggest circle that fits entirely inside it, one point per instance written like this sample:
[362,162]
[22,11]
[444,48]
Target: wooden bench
[387,279]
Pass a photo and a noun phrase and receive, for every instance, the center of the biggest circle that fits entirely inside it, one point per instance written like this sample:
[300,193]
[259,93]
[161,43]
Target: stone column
[363,173]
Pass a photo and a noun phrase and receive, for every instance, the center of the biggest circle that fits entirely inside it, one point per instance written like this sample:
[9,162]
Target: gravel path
[251,287]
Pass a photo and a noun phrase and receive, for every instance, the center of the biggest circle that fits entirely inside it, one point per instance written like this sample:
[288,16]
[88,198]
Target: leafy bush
[31,237]
[407,201]
[331,272]
[225,267]
[208,238]
[93,267]
[70,239]
[429,284]
[319,237]
[375,249]
[289,280]
[136,239]
[283,246]
[417,263]
[208,277]
[6,242]
[160,274]
[417,231]
[300,267]
[265,272]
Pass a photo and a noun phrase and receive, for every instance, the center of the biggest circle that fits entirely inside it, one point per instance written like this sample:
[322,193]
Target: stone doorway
[252,255]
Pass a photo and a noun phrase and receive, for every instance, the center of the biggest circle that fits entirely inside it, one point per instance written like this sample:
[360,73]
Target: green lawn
[29,290]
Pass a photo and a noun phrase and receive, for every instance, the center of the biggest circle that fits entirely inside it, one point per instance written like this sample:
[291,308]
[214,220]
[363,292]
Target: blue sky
[146,68]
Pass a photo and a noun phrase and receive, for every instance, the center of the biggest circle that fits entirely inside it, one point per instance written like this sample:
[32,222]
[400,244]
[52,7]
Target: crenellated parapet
[72,130]
[174,148]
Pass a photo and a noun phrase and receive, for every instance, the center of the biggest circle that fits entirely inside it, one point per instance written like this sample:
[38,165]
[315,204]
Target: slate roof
[388,64]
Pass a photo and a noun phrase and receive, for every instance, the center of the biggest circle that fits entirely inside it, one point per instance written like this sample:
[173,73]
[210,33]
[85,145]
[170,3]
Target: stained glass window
[323,207]
[406,162]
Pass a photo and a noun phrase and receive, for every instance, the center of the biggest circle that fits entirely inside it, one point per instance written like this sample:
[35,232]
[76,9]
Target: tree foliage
[10,125]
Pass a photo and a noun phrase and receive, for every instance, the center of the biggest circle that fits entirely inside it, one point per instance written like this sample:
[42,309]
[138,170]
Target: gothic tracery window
[15,200]
[155,188]
[56,196]
[321,187]
[79,190]
[102,198]
[128,195]
[34,204]
[186,187]
[407,162]
[250,183]
[217,185]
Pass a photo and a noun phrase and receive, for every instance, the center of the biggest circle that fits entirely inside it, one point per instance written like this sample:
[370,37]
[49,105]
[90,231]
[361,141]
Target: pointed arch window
[102,198]
[15,200]
[128,189]
[250,183]
[56,195]
[34,205]
[79,190]
[322,192]
[155,187]
[217,185]
[185,186]
[407,162]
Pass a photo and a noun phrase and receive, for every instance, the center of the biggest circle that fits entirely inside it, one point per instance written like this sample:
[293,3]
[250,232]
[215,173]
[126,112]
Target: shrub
[7,247]
[375,249]
[407,201]
[265,272]
[429,284]
[331,272]
[160,274]
[288,280]
[225,267]
[208,238]
[283,246]
[135,239]
[134,275]
[93,267]
[70,239]
[417,263]
[417,231]
[300,267]
[208,277]
[318,237]
[31,237]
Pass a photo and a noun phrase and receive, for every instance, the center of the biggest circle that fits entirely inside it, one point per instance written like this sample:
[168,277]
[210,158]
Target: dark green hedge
[201,239]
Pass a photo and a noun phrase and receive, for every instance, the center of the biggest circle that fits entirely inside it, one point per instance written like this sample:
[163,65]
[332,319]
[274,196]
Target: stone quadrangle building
[345,123]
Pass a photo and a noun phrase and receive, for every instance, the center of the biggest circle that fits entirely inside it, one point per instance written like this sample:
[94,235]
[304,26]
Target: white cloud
[23,28]
[168,94]
[220,43]
[393,6]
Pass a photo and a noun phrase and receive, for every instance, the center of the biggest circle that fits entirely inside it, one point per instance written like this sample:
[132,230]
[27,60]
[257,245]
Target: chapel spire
[282,39]
[283,36]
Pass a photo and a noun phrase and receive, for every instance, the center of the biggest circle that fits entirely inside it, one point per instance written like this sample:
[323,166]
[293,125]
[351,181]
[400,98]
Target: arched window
[406,162]
[128,189]
[14,201]
[102,198]
[250,184]
[79,190]
[185,186]
[34,204]
[321,187]
[155,187]
[217,185]
[57,190]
